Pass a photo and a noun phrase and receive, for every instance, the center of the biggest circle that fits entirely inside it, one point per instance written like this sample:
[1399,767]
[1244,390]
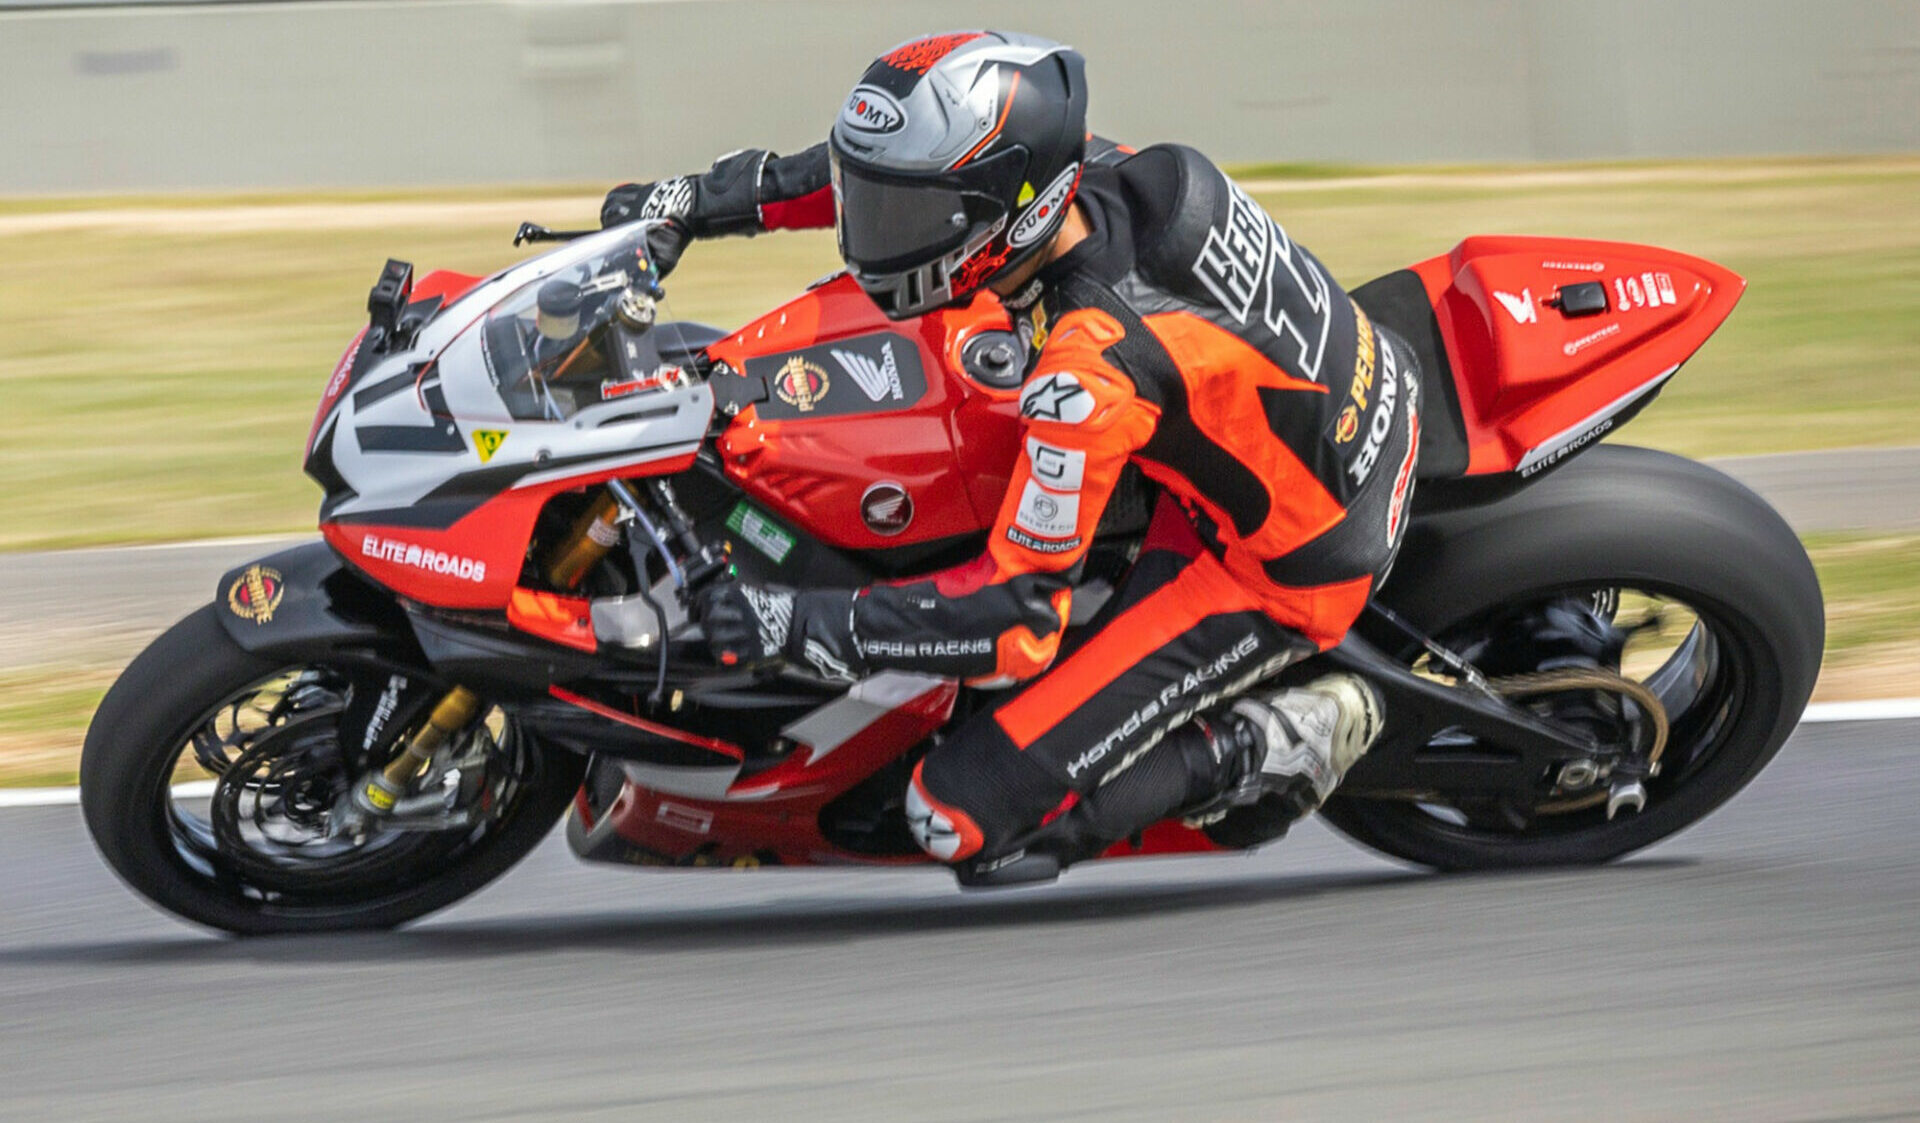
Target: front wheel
[215,782]
[1678,577]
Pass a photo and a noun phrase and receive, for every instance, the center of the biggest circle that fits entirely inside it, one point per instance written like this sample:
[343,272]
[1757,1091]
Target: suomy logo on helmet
[1044,208]
[873,110]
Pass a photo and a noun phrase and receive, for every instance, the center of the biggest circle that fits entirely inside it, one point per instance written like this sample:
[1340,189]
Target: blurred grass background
[160,357]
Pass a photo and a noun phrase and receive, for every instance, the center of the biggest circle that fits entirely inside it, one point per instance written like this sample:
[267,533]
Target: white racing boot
[1312,735]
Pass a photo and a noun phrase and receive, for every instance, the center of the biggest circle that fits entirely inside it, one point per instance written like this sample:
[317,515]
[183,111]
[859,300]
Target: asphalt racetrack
[1764,966]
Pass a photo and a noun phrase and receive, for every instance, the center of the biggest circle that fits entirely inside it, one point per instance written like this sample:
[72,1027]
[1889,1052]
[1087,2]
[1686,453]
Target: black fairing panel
[682,340]
[315,605]
[1399,303]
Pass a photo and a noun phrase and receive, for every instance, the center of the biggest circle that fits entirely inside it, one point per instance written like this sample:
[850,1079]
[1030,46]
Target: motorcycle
[1583,648]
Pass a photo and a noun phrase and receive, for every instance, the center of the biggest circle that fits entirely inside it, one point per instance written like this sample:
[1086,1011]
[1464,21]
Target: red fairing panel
[855,400]
[1536,385]
[475,563]
[773,816]
[444,283]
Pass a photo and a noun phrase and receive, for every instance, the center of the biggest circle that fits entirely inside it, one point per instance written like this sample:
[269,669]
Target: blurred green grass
[159,376]
[1872,588]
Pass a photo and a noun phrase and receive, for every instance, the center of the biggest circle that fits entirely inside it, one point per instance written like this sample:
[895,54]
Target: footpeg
[1631,794]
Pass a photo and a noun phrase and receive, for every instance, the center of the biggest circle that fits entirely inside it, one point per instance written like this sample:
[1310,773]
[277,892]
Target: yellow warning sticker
[488,442]
[1026,195]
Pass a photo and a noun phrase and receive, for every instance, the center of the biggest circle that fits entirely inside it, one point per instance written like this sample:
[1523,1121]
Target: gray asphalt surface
[1765,966]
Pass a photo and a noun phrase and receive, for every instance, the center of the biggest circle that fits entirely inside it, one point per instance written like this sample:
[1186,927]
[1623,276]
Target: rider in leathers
[1171,325]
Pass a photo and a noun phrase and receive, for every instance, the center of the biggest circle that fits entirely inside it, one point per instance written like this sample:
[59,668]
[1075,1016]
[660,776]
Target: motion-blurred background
[194,198]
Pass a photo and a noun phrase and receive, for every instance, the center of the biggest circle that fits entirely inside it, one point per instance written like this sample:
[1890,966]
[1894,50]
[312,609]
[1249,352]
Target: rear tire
[126,771]
[1618,517]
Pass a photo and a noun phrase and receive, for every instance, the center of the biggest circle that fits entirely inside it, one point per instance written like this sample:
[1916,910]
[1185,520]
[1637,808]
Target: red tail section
[1541,375]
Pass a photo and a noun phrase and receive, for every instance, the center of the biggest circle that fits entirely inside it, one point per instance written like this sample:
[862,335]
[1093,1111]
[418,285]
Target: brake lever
[534,232]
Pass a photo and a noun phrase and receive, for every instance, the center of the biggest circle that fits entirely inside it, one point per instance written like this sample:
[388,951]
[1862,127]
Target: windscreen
[579,336]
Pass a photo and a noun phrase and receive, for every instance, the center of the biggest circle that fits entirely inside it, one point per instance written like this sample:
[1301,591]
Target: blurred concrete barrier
[372,92]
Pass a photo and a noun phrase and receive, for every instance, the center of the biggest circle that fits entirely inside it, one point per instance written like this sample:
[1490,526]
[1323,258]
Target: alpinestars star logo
[823,661]
[1057,397]
[877,380]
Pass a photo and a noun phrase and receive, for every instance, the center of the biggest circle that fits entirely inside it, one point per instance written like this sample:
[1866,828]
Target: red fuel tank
[868,435]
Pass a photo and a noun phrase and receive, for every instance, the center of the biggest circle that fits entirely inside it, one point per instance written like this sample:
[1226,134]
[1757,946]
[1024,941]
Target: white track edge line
[1819,713]
[1881,709]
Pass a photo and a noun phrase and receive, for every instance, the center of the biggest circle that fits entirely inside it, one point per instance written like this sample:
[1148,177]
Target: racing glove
[761,626]
[745,192]
[631,201]
[845,634]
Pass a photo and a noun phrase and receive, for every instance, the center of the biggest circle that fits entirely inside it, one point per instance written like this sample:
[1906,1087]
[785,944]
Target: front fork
[382,793]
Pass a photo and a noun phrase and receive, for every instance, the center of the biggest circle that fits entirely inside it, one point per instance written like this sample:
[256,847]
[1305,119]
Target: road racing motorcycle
[1583,648]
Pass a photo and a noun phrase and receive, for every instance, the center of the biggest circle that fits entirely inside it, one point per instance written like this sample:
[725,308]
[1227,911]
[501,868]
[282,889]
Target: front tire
[159,713]
[1617,518]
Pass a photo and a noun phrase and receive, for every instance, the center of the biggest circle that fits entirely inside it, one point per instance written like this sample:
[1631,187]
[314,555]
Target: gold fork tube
[449,716]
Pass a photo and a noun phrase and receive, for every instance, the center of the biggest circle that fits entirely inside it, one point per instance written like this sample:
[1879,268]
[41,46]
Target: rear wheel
[216,783]
[1692,586]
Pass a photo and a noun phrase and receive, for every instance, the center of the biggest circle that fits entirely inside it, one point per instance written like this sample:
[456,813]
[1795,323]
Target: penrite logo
[801,384]
[256,593]
[422,557]
[1348,426]
[873,110]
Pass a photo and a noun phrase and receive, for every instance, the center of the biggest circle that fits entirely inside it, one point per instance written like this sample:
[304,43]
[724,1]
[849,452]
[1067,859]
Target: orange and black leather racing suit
[1190,336]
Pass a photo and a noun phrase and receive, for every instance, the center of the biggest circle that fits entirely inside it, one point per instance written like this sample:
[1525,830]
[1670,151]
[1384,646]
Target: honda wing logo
[878,380]
[1519,307]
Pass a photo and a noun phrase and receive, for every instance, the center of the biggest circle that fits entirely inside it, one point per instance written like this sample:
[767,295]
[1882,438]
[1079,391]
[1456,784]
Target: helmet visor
[891,222]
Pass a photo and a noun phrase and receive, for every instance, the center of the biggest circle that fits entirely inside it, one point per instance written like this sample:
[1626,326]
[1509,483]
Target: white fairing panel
[420,419]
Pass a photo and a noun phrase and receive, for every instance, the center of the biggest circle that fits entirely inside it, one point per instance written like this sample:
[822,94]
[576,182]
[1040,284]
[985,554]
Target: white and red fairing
[445,480]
